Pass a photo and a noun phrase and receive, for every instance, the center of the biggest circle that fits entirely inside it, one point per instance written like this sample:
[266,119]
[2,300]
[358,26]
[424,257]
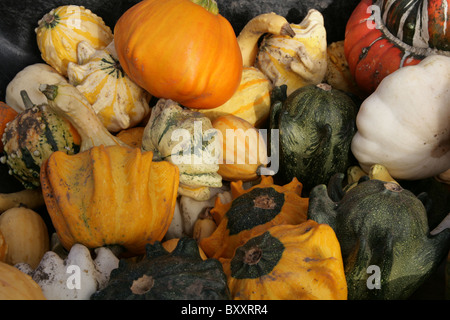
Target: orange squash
[17,285]
[109,196]
[244,150]
[288,262]
[6,115]
[252,212]
[3,247]
[178,50]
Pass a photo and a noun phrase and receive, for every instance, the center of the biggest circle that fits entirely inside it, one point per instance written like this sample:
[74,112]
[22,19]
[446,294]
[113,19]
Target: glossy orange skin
[176,49]
[6,115]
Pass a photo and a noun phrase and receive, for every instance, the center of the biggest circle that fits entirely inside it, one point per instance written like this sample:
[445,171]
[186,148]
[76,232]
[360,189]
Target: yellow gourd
[116,99]
[251,101]
[60,30]
[296,61]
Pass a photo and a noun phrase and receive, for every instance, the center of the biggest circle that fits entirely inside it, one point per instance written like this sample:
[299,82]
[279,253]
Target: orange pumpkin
[178,50]
[6,115]
[109,196]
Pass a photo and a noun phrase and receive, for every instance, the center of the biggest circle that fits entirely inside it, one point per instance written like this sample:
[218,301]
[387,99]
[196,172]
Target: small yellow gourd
[296,61]
[116,99]
[251,101]
[59,32]
[244,150]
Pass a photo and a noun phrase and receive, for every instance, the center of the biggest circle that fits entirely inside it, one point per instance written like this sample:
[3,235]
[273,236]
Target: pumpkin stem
[252,256]
[209,5]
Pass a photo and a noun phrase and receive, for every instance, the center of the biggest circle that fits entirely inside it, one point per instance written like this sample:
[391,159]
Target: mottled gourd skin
[160,275]
[380,224]
[316,127]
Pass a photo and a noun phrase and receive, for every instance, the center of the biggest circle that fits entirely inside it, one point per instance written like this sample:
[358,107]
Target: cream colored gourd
[296,61]
[69,102]
[26,235]
[53,274]
[266,23]
[115,98]
[60,30]
[405,124]
[29,79]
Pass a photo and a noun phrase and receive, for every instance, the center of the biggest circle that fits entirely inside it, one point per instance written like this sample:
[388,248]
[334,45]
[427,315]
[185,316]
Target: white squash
[405,124]
[29,79]
[115,98]
[76,277]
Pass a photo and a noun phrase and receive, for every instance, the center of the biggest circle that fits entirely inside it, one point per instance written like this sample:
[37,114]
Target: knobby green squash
[32,136]
[384,235]
[181,274]
[316,125]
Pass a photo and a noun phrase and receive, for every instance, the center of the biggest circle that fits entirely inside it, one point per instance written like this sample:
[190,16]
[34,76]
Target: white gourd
[405,124]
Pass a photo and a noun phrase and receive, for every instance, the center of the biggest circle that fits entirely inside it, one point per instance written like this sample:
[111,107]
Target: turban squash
[288,262]
[193,59]
[109,196]
[382,36]
[251,212]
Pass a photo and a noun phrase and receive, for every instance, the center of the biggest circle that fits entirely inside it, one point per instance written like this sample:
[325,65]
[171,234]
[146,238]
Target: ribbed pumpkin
[109,196]
[296,61]
[244,150]
[59,32]
[117,101]
[288,262]
[32,136]
[193,59]
[382,36]
[26,235]
[251,101]
[251,212]
[16,285]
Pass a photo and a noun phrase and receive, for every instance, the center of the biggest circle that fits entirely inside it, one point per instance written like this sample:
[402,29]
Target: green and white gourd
[31,137]
[187,139]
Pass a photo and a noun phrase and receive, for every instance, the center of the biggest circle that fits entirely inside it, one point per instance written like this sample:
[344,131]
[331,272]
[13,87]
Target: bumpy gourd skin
[316,125]
[380,224]
[179,275]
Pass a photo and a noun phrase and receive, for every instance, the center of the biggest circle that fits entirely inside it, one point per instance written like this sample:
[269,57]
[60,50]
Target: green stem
[209,5]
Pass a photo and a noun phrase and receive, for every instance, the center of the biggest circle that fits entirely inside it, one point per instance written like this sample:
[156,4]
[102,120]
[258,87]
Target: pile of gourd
[334,185]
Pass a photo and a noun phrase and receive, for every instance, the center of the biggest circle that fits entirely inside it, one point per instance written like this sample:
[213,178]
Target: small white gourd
[76,277]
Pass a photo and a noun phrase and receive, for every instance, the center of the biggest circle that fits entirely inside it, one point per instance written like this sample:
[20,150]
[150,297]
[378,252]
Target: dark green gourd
[179,275]
[384,235]
[316,125]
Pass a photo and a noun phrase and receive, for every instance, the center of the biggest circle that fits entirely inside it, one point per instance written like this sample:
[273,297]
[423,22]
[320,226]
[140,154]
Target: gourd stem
[209,5]
[26,99]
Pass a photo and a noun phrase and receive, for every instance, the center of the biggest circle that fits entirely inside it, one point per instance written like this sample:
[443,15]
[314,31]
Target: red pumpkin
[178,50]
[385,35]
